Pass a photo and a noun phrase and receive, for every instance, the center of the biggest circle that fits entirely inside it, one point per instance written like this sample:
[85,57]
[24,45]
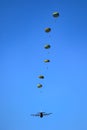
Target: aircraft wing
[35,115]
[46,114]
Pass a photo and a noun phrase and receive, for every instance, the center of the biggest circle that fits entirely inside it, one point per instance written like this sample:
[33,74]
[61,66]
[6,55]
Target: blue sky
[22,39]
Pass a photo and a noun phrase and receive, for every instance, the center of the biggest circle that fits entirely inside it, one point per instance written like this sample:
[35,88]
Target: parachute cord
[49,35]
[48,52]
[40,91]
[55,20]
[47,67]
[41,99]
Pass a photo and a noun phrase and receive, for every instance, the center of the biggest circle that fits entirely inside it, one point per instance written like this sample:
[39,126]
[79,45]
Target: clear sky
[22,40]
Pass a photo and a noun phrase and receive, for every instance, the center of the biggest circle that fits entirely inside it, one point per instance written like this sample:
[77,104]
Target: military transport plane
[41,114]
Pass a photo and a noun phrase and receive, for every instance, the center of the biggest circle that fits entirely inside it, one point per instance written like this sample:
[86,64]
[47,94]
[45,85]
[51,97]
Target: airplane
[41,114]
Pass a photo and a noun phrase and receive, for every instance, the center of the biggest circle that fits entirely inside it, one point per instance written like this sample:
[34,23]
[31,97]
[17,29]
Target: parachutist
[47,46]
[41,77]
[39,85]
[55,14]
[46,61]
[47,30]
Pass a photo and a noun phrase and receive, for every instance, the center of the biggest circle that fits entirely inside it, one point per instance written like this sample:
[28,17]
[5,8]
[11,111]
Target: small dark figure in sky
[41,114]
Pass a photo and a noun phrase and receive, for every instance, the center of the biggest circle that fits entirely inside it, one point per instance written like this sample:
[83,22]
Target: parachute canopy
[46,61]
[47,46]
[41,76]
[39,85]
[47,30]
[55,14]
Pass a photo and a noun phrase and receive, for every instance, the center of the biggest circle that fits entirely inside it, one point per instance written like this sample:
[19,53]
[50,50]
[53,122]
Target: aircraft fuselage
[41,114]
